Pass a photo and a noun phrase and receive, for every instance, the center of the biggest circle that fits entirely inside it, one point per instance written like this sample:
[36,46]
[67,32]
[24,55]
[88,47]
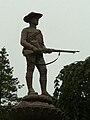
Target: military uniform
[30,39]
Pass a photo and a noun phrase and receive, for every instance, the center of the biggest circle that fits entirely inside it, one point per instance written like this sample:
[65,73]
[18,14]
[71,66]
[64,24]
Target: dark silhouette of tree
[73,96]
[8,86]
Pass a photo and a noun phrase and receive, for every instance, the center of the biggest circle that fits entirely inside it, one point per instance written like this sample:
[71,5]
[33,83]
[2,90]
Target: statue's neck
[33,26]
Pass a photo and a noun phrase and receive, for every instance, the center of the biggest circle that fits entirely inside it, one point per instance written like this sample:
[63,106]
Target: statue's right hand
[48,50]
[34,49]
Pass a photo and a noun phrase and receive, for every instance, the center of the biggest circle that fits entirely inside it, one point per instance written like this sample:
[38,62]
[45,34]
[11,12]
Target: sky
[65,25]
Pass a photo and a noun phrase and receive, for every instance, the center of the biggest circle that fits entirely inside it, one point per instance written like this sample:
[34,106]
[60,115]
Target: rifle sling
[48,62]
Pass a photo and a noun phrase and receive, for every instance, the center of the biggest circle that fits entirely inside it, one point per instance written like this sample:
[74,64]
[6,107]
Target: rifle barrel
[67,51]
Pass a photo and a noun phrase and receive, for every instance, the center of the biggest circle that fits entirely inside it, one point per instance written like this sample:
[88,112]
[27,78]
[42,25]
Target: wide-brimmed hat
[32,15]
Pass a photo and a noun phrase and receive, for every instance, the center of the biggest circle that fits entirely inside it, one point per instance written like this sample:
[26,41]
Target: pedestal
[36,107]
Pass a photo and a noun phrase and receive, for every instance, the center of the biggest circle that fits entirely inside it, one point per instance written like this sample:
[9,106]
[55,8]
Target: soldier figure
[33,45]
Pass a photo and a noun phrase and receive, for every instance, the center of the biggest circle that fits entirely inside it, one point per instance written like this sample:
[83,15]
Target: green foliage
[8,85]
[74,93]
[56,86]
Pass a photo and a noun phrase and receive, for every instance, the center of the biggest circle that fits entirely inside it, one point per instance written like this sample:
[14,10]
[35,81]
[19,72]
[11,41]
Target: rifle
[67,51]
[55,50]
[48,50]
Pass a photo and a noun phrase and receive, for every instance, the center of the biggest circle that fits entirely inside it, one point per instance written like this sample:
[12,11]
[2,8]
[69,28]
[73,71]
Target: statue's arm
[44,48]
[42,43]
[23,40]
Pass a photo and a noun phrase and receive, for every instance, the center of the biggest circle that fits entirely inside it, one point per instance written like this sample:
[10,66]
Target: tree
[8,84]
[74,93]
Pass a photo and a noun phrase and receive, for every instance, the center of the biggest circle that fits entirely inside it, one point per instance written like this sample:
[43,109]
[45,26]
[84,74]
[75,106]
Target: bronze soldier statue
[33,45]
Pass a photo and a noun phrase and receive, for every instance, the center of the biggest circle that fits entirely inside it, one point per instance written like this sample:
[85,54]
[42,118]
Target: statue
[33,44]
[33,49]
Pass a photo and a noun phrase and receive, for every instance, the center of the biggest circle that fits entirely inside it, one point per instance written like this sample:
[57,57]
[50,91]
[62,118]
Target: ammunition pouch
[27,52]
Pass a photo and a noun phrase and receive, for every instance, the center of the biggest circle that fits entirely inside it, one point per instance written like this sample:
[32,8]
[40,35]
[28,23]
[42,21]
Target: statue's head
[32,17]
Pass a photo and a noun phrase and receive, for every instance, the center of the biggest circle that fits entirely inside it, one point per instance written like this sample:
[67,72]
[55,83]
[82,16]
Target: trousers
[38,61]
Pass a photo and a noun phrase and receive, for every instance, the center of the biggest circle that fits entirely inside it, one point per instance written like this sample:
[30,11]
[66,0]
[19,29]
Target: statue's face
[34,21]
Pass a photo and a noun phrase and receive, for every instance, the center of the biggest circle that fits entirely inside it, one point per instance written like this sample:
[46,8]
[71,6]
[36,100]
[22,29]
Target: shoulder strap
[48,62]
[34,35]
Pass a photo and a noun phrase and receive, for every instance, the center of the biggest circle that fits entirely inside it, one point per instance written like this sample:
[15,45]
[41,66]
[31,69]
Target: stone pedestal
[36,107]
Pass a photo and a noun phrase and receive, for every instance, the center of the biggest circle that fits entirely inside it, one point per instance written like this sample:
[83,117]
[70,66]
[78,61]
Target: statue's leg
[43,73]
[43,78]
[29,74]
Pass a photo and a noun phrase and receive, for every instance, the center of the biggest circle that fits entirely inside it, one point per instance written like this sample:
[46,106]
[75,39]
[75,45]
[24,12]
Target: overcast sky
[65,25]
